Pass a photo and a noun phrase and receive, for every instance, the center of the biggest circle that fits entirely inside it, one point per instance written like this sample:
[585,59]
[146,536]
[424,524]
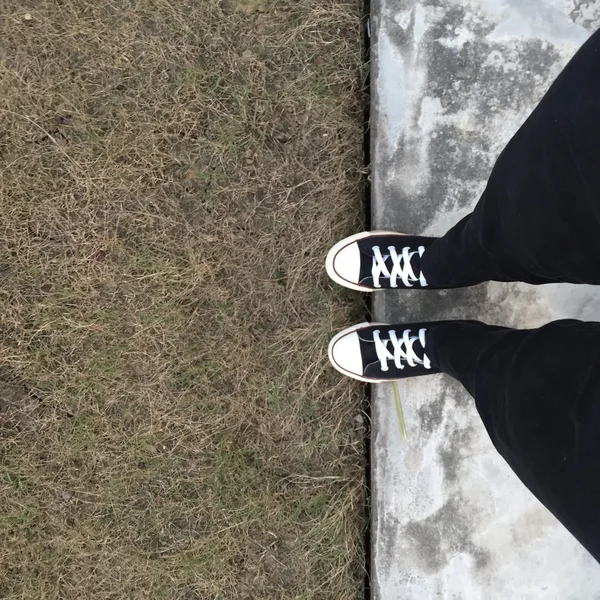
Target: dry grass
[172,174]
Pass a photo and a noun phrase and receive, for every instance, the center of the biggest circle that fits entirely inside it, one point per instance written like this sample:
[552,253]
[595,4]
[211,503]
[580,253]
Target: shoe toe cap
[346,263]
[345,354]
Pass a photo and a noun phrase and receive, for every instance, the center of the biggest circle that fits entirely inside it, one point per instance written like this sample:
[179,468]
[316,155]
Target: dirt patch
[173,173]
[18,403]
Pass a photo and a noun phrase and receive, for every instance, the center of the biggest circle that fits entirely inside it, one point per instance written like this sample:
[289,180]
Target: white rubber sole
[340,335]
[346,242]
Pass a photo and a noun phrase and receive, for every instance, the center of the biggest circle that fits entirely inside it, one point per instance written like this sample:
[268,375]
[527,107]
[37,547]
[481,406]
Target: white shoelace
[402,349]
[401,267]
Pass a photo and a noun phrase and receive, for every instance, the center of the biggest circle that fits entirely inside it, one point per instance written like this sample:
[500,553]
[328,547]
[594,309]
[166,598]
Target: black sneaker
[377,260]
[376,353]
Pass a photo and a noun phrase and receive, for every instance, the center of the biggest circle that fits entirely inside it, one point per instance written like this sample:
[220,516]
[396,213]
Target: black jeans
[538,221]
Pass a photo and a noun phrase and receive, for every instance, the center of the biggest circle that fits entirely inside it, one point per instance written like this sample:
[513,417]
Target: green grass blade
[400,411]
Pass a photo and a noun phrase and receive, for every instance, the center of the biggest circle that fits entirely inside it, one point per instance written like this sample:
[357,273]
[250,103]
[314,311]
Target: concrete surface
[452,81]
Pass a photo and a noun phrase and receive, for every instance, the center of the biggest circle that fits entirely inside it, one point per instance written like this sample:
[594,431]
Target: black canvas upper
[384,241]
[372,367]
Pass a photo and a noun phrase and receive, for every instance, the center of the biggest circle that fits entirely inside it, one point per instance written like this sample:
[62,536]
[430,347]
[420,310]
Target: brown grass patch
[172,175]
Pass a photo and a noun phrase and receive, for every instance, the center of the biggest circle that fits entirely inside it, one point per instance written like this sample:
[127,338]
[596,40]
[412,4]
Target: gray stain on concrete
[431,415]
[450,453]
[435,538]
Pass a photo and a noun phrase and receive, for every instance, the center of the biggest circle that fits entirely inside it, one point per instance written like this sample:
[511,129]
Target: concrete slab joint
[452,81]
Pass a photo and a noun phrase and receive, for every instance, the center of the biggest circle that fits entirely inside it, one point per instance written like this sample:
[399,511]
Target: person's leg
[537,392]
[538,395]
[538,220]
